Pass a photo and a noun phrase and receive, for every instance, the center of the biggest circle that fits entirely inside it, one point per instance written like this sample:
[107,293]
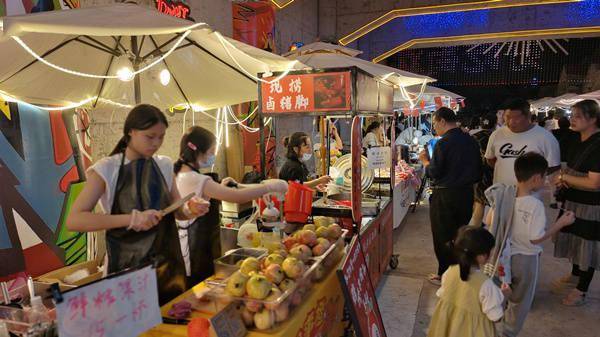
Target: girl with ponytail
[200,236]
[132,186]
[469,302]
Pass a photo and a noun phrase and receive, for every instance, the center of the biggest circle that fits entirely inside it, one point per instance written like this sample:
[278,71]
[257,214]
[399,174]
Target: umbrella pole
[136,80]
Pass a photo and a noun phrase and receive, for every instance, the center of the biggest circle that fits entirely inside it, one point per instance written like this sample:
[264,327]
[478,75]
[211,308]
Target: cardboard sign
[228,322]
[122,306]
[307,93]
[379,157]
[360,296]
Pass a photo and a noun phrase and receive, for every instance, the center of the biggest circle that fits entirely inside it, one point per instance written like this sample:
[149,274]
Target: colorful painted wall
[41,153]
[18,7]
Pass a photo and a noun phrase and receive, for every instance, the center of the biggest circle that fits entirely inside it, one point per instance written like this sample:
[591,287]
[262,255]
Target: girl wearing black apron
[132,185]
[199,238]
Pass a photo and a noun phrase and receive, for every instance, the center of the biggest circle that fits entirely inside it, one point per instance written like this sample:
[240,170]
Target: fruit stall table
[320,314]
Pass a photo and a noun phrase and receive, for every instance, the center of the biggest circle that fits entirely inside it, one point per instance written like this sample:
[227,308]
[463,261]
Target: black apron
[204,240]
[141,186]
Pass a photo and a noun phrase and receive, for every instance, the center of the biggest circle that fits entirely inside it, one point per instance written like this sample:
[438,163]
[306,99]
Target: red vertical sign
[359,293]
[356,150]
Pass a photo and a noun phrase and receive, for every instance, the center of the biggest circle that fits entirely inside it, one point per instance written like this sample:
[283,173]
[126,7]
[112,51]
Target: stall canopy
[88,56]
[428,95]
[568,102]
[549,102]
[325,55]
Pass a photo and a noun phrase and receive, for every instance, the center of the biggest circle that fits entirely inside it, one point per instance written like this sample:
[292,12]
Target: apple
[236,284]
[319,249]
[307,237]
[250,264]
[258,287]
[319,273]
[289,242]
[322,221]
[301,252]
[275,294]
[247,317]
[274,273]
[292,267]
[311,228]
[282,312]
[253,306]
[322,232]
[273,259]
[335,231]
[264,319]
[287,284]
[282,252]
[324,241]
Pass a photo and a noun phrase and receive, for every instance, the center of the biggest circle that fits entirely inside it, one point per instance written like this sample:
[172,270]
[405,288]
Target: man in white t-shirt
[516,138]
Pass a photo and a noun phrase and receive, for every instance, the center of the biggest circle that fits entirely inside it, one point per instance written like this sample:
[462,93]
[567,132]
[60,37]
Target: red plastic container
[298,203]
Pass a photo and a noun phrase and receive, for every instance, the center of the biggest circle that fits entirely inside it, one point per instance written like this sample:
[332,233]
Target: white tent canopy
[207,69]
[568,102]
[428,94]
[549,102]
[325,55]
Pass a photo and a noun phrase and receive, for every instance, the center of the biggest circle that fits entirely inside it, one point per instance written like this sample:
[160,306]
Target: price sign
[228,323]
[120,306]
[358,291]
[379,157]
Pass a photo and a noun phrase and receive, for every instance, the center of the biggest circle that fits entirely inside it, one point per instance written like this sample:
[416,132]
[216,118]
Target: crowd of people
[497,193]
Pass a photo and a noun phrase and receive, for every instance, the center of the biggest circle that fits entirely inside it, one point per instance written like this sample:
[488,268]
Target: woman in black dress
[299,151]
[580,191]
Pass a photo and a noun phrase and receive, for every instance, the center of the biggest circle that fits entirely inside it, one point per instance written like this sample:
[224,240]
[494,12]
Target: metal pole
[136,80]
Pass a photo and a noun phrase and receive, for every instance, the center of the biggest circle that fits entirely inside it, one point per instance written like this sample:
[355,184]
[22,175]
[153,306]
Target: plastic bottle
[38,313]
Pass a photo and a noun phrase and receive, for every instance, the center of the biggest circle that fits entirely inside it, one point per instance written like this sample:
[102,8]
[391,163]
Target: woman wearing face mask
[132,185]
[299,151]
[199,237]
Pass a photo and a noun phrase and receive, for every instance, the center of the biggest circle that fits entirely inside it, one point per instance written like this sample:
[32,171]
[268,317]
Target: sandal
[434,279]
[574,299]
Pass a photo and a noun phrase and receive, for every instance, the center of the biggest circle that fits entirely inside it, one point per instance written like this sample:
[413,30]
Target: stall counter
[320,314]
[376,239]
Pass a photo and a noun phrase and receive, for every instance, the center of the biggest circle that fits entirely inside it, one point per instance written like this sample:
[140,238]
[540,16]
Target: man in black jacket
[454,168]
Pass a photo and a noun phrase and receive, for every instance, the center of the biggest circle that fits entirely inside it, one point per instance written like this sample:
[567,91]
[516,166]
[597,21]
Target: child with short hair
[526,234]
[469,302]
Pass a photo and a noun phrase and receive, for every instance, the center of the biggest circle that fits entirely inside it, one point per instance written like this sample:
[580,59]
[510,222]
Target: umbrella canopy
[88,56]
[568,102]
[325,55]
[549,102]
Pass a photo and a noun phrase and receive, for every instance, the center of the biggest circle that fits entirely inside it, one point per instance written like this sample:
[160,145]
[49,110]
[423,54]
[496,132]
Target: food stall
[362,202]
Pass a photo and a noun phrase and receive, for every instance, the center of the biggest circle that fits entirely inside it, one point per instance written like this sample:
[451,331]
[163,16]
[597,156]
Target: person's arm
[489,217]
[435,167]
[319,181]
[591,182]
[552,149]
[490,155]
[247,193]
[82,219]
[565,220]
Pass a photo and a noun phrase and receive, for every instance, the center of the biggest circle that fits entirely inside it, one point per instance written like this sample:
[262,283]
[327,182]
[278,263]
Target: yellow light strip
[437,9]
[502,35]
[281,6]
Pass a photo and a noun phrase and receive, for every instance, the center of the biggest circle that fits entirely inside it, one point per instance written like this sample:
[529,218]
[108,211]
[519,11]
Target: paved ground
[399,291]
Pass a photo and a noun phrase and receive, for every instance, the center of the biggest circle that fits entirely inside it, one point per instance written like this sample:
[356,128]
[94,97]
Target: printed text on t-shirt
[507,151]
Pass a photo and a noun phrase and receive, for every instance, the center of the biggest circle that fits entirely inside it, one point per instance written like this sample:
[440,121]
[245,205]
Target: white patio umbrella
[568,102]
[326,55]
[88,56]
[549,102]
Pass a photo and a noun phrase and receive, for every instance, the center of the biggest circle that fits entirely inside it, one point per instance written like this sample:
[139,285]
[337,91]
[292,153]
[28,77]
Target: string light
[124,74]
[224,41]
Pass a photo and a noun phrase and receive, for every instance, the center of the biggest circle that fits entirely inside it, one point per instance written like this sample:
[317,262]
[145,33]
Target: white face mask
[306,156]
[210,161]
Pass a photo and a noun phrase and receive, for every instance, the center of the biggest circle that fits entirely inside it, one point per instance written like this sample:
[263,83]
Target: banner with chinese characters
[307,93]
[121,306]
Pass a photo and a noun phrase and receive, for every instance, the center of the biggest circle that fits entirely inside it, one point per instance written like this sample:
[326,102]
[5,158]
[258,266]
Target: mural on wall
[41,154]
[19,7]
[254,24]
